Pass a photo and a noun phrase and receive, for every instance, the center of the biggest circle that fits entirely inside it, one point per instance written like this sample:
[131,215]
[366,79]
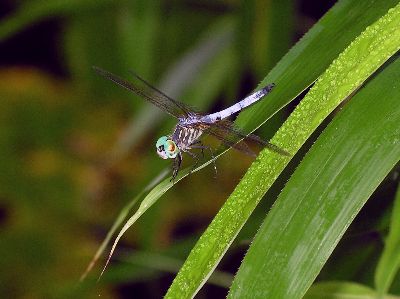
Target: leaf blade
[327,190]
[302,122]
[389,262]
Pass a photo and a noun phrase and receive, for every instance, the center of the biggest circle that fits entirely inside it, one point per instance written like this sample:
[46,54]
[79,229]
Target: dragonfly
[192,124]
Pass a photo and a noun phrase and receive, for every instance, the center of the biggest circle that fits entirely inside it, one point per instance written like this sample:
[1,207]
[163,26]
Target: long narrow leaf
[327,190]
[34,11]
[119,220]
[342,290]
[302,65]
[361,59]
[389,262]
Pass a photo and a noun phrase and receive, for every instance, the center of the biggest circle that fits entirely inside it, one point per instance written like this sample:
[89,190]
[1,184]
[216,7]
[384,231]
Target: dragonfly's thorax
[190,119]
[185,136]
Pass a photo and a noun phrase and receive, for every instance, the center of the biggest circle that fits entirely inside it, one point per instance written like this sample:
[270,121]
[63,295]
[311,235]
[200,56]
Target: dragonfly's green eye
[166,148]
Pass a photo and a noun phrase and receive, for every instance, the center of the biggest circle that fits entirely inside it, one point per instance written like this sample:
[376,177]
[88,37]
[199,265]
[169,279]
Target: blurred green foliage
[68,160]
[74,148]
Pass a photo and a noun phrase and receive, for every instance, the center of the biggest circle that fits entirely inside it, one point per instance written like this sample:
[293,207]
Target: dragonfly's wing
[230,135]
[227,141]
[148,92]
[158,94]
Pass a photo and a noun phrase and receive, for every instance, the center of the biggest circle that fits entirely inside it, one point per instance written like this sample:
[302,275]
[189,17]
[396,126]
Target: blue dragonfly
[192,124]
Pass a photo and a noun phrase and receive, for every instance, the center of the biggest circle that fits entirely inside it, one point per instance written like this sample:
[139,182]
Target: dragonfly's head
[166,148]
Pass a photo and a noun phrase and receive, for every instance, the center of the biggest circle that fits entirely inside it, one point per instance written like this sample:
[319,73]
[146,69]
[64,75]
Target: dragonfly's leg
[213,157]
[196,158]
[176,166]
[202,147]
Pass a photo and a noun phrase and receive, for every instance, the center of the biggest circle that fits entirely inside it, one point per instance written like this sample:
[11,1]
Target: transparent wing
[229,135]
[230,140]
[148,92]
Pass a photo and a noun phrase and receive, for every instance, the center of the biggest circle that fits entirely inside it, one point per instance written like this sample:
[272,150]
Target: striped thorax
[184,136]
[168,147]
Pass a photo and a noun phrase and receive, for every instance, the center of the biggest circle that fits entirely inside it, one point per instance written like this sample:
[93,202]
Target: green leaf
[328,189]
[33,11]
[118,221]
[389,262]
[302,65]
[341,290]
[369,51]
[164,263]
[139,25]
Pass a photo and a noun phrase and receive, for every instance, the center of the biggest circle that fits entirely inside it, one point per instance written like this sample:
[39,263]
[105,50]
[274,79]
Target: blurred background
[75,148]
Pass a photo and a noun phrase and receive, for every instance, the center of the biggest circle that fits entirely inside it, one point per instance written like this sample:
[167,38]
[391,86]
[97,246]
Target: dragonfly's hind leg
[196,158]
[176,166]
[201,146]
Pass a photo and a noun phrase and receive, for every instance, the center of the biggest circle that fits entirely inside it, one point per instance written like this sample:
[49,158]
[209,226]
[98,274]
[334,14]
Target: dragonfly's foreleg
[201,146]
[176,166]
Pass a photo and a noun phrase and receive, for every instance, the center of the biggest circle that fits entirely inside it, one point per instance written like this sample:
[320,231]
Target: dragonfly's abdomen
[184,137]
[251,99]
